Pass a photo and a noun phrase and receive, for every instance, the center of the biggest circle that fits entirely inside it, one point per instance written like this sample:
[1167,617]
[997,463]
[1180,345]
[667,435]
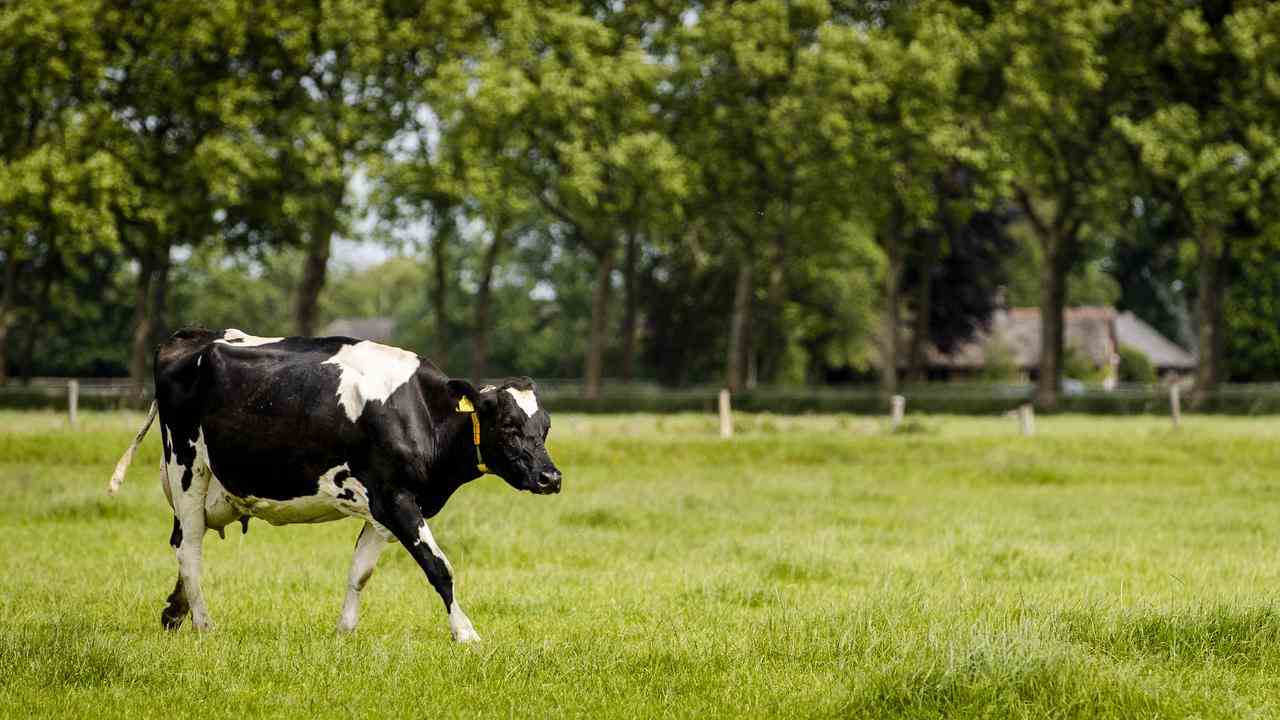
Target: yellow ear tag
[464,405]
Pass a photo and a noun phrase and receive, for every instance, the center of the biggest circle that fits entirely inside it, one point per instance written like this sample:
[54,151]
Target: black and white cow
[303,430]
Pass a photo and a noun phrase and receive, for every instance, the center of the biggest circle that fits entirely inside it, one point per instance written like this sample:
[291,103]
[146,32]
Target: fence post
[73,400]
[1027,418]
[898,408]
[1175,404]
[726,419]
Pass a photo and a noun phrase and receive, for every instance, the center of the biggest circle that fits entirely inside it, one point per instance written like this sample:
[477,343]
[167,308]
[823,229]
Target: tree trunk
[480,329]
[440,288]
[916,360]
[160,299]
[40,318]
[599,324]
[1053,299]
[140,342]
[631,307]
[150,298]
[314,269]
[739,320]
[892,301]
[775,339]
[8,299]
[1211,334]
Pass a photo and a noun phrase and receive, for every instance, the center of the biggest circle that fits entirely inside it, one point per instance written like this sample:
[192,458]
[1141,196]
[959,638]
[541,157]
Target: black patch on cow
[186,478]
[175,537]
[341,477]
[244,524]
[175,609]
[348,495]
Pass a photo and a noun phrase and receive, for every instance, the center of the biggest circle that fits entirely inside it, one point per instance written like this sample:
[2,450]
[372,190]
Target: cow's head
[513,433]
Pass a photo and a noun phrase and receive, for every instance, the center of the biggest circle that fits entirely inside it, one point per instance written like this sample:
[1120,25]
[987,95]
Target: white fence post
[1027,419]
[1175,404]
[73,400]
[726,418]
[898,409]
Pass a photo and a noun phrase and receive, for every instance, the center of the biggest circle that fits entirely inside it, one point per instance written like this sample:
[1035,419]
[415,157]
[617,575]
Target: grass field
[810,567]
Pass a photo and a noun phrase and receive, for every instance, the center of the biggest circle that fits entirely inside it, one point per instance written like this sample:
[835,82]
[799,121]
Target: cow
[305,430]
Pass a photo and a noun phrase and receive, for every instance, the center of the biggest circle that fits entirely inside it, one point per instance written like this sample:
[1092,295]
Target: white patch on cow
[526,400]
[460,626]
[243,339]
[488,389]
[370,371]
[330,502]
[425,536]
[368,547]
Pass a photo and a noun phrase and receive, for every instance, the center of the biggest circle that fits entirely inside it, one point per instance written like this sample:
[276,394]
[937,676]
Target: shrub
[1134,366]
[1077,366]
[1001,364]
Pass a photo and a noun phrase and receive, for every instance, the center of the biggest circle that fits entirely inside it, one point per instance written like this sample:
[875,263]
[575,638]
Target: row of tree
[768,183]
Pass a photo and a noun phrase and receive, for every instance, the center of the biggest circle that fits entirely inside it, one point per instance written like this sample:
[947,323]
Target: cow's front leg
[401,515]
[368,547]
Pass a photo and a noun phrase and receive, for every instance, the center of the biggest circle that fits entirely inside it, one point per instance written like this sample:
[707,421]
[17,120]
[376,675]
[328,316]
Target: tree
[964,262]
[1065,68]
[181,124]
[892,112]
[590,151]
[739,111]
[56,183]
[1210,144]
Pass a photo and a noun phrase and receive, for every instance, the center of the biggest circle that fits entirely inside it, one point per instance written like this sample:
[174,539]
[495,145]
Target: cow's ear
[487,399]
[463,390]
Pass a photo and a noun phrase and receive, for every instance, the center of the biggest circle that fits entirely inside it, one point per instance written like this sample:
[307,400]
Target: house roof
[1096,332]
[1162,352]
[377,329]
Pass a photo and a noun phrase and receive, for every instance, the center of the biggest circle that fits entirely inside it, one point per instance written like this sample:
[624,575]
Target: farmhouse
[1095,333]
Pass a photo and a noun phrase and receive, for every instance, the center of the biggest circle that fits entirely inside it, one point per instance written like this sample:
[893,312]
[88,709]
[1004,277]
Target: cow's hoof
[345,629]
[171,621]
[465,636]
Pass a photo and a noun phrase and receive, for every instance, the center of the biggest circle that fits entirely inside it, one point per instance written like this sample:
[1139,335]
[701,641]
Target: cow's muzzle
[547,482]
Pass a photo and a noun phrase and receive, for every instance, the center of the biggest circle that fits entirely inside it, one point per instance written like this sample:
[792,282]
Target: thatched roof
[1095,332]
[377,329]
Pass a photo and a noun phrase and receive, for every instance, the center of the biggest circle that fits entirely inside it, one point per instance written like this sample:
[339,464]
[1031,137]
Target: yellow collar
[465,406]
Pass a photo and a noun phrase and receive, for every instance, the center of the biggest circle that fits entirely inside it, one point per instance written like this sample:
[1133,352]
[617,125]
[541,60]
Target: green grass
[810,567]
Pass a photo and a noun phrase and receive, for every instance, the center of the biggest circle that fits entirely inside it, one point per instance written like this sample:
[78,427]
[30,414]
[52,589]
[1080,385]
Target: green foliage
[193,161]
[1134,366]
[1077,366]
[1000,362]
[1252,304]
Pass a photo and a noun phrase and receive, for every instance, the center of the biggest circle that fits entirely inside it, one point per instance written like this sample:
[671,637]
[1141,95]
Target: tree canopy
[776,191]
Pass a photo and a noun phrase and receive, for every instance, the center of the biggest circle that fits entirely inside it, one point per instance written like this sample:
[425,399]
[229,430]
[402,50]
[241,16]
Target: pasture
[813,567]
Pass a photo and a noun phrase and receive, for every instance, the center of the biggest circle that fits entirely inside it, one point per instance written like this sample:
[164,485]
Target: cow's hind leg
[188,485]
[368,547]
[402,517]
[176,607]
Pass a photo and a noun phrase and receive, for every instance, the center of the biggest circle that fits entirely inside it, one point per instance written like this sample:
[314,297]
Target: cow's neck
[458,449]
[453,464]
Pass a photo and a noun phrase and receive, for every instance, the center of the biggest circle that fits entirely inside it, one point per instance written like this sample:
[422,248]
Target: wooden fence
[619,397]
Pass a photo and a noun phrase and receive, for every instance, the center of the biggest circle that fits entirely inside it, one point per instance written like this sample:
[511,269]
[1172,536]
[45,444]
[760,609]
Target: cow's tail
[117,477]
